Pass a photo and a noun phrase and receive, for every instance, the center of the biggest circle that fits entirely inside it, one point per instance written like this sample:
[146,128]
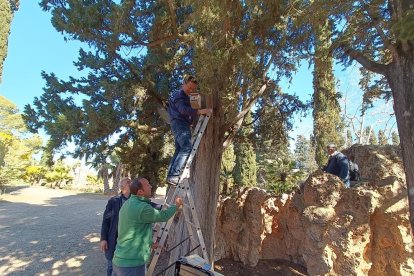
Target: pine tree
[382,139]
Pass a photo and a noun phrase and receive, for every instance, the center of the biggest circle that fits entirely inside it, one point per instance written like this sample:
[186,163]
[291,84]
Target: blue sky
[35,45]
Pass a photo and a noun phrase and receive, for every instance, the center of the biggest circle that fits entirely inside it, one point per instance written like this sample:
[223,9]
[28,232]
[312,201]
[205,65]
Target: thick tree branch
[236,123]
[364,61]
[173,17]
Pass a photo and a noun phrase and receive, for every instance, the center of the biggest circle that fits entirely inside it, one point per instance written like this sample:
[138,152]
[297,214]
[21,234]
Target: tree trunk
[117,177]
[400,76]
[105,177]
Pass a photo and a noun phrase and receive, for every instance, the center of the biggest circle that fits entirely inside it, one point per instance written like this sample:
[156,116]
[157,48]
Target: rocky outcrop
[329,229]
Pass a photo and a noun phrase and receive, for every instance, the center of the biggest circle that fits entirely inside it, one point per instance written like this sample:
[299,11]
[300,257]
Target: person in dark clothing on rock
[337,164]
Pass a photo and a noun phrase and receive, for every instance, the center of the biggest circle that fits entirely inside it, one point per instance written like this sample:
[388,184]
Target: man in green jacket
[134,241]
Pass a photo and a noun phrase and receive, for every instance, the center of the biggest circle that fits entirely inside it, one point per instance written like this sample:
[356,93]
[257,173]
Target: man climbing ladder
[181,117]
[182,114]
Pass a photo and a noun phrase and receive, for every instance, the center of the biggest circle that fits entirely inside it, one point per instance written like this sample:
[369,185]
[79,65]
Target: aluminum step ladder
[189,211]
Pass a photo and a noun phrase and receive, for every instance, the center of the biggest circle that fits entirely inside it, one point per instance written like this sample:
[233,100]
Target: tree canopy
[16,145]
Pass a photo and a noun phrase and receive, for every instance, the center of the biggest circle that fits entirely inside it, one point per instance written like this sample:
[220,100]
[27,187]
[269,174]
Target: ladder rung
[178,244]
[170,265]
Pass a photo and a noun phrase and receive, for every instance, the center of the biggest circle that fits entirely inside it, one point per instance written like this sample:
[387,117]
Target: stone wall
[324,226]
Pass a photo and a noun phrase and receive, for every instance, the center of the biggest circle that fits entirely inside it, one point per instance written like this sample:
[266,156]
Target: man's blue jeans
[182,137]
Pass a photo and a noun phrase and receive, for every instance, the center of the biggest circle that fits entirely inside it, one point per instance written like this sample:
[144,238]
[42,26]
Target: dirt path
[51,232]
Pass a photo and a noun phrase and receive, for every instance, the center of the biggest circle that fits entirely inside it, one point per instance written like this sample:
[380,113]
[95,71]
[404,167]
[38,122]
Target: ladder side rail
[190,231]
[197,224]
[186,215]
[197,128]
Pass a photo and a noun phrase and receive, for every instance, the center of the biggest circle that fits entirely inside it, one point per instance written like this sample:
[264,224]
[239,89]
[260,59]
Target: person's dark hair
[190,78]
[136,185]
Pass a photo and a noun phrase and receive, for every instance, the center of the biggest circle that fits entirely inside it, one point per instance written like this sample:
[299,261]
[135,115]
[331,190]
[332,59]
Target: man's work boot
[173,180]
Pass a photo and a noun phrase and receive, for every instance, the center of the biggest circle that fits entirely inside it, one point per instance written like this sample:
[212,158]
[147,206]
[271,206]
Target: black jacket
[109,230]
[338,165]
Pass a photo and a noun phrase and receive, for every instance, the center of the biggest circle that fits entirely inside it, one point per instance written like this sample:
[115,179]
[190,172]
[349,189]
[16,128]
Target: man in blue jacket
[182,116]
[109,230]
[337,164]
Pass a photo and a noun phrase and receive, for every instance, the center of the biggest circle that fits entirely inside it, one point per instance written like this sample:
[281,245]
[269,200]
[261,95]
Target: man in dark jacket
[109,230]
[337,164]
[181,117]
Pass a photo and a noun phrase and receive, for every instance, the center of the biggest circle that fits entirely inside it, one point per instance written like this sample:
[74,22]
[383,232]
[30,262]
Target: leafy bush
[59,175]
[34,174]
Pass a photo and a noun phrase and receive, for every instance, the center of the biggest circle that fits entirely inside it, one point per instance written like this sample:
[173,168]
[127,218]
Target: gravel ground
[51,232]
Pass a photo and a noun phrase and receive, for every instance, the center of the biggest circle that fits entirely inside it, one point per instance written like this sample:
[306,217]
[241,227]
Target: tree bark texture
[105,177]
[400,76]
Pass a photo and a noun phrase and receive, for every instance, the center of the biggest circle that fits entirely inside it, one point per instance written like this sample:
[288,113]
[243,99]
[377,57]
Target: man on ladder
[184,106]
[182,115]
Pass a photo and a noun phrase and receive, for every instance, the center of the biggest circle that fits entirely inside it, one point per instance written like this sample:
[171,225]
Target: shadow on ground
[57,236]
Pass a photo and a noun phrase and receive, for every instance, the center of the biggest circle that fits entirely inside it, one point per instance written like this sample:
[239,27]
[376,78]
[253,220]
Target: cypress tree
[244,172]
[7,9]
[326,110]
[5,21]
[395,138]
[227,166]
[370,136]
[382,139]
